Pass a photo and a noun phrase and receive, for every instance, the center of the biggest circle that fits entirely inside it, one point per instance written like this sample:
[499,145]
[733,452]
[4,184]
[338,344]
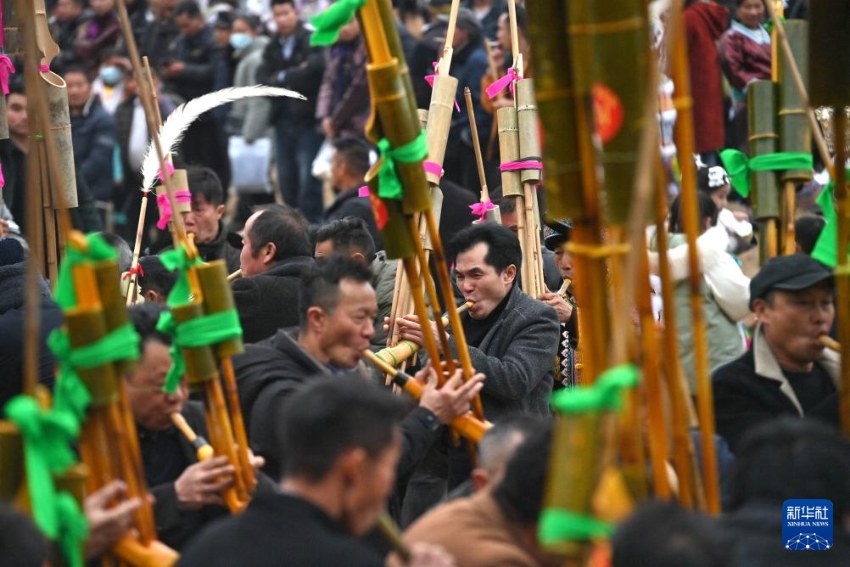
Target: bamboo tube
[842,269]
[60,124]
[794,132]
[389,530]
[203,449]
[652,378]
[685,144]
[601,34]
[155,554]
[439,122]
[235,275]
[223,443]
[763,140]
[677,386]
[509,151]
[468,426]
[132,288]
[12,458]
[493,214]
[404,349]
[529,149]
[830,343]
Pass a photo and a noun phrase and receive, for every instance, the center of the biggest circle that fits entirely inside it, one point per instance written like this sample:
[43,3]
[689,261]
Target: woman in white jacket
[725,289]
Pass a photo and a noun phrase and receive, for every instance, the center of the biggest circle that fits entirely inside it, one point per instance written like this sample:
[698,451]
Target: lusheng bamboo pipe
[830,343]
[405,349]
[492,214]
[203,450]
[235,275]
[467,425]
[842,275]
[389,531]
[684,131]
[691,494]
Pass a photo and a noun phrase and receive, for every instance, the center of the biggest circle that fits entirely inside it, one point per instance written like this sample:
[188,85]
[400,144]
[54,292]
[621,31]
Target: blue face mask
[111,75]
[240,40]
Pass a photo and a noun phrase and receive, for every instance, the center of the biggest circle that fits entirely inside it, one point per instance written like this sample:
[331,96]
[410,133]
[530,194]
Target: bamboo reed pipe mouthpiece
[830,343]
[235,275]
[565,286]
[202,448]
[389,530]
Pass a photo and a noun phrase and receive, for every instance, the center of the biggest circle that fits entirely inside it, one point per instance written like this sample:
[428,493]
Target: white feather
[175,126]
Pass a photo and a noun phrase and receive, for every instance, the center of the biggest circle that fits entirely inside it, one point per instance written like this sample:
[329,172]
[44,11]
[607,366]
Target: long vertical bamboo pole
[684,130]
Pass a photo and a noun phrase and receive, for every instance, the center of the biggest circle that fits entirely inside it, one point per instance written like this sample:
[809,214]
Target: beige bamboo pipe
[466,425]
[235,275]
[203,449]
[405,349]
[830,343]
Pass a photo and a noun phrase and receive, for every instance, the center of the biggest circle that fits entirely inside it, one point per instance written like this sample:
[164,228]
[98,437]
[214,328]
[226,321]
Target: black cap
[557,233]
[788,273]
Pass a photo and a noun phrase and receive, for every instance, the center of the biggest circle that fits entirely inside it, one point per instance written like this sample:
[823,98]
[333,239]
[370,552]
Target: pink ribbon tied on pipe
[431,78]
[480,209]
[507,81]
[433,168]
[2,178]
[6,68]
[165,211]
[44,68]
[169,167]
[518,165]
[363,191]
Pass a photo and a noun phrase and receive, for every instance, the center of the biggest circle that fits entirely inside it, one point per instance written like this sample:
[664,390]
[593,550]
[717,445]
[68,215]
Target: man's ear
[316,318]
[509,275]
[151,296]
[269,252]
[480,479]
[219,210]
[352,465]
[359,258]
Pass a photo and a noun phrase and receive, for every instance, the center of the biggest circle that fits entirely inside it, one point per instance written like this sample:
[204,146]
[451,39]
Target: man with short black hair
[155,282]
[511,336]
[337,309]
[349,165]
[350,236]
[289,61]
[787,370]
[342,443]
[204,220]
[275,254]
[807,230]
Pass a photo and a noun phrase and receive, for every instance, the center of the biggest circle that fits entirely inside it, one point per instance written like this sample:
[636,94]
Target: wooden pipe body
[466,425]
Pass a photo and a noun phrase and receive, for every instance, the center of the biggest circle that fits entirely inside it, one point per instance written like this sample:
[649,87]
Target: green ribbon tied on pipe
[826,247]
[557,525]
[328,24]
[202,331]
[71,394]
[178,259]
[606,394]
[739,166]
[98,250]
[48,436]
[389,185]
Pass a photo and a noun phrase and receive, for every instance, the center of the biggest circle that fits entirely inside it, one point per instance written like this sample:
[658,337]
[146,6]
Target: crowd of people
[333,448]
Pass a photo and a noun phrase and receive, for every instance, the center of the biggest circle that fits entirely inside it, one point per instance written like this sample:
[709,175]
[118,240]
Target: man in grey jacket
[512,338]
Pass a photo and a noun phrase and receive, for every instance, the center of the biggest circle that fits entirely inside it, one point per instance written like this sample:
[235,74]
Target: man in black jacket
[204,220]
[787,371]
[190,72]
[187,492]
[275,253]
[342,445]
[337,310]
[290,62]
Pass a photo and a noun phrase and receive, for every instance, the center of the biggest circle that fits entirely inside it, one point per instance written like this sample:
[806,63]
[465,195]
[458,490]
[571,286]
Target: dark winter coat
[302,72]
[269,371]
[12,288]
[94,137]
[200,54]
[753,389]
[280,530]
[349,204]
[518,357]
[269,301]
